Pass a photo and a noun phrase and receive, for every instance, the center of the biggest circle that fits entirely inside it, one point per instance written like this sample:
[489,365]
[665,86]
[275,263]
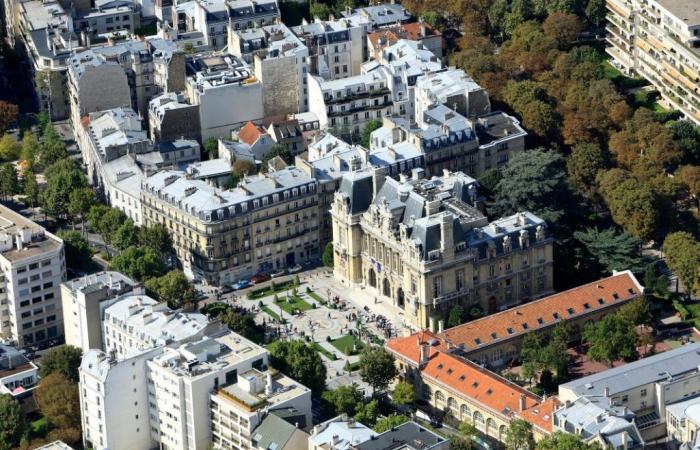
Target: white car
[294,269]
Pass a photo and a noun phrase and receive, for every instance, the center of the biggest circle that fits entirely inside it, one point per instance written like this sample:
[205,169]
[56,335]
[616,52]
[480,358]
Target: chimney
[431,324]
[268,384]
[18,241]
[523,402]
[424,353]
[606,391]
[378,177]
[441,326]
[447,247]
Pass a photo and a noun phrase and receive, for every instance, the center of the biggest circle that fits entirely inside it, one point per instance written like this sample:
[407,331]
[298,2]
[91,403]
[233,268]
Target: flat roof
[408,434]
[686,10]
[40,242]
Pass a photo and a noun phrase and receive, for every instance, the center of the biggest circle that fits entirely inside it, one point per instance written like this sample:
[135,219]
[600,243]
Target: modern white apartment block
[136,323]
[18,376]
[220,85]
[215,389]
[84,300]
[33,266]
[659,40]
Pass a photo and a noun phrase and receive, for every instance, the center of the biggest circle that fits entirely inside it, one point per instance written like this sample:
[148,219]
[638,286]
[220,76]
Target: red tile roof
[522,319]
[249,133]
[541,414]
[409,347]
[410,31]
[479,384]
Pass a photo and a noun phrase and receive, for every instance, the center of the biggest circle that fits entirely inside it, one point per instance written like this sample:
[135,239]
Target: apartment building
[84,300]
[654,393]
[135,323]
[460,390]
[495,340]
[419,31]
[349,103]
[18,377]
[33,266]
[423,245]
[219,84]
[119,155]
[660,41]
[279,60]
[268,222]
[337,48]
[211,18]
[379,15]
[214,389]
[170,117]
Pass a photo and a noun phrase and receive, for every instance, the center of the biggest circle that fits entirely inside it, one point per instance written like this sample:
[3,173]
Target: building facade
[268,222]
[422,244]
[659,40]
[33,266]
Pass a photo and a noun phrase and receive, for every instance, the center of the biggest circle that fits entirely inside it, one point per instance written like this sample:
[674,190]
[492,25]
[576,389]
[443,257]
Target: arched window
[466,413]
[478,419]
[452,403]
[439,396]
[491,427]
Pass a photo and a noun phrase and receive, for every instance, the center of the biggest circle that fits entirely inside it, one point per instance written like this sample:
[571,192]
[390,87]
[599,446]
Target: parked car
[294,269]
[242,284]
[260,278]
[278,274]
[225,290]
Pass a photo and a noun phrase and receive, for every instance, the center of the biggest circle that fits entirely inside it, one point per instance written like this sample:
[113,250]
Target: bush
[308,290]
[682,310]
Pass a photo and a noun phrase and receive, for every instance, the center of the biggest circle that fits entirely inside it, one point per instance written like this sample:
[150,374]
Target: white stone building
[33,266]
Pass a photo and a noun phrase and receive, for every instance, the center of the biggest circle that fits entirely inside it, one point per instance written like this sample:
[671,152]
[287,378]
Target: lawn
[345,345]
[271,313]
[319,348]
[39,427]
[297,304]
[273,288]
[610,72]
[316,297]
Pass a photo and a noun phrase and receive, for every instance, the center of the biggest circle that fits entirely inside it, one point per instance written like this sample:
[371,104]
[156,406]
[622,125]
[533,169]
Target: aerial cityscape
[350,225]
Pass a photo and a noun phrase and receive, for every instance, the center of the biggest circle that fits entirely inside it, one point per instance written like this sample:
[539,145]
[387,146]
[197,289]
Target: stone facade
[423,245]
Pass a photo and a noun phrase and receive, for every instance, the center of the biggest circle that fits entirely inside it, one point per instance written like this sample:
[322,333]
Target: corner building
[424,245]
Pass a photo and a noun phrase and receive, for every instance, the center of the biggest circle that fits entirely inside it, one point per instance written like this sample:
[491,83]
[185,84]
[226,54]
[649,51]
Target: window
[437,286]
[459,276]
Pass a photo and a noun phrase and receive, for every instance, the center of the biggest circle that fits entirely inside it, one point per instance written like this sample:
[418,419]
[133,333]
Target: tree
[635,312]
[655,284]
[9,148]
[319,10]
[327,256]
[404,394]
[158,238]
[243,324]
[460,443]
[127,235]
[682,253]
[9,182]
[105,221]
[386,423]
[51,151]
[64,360]
[78,254]
[612,250]
[533,181]
[242,167]
[488,181]
[563,27]
[58,401]
[690,175]
[30,148]
[370,126]
[456,316]
[276,150]
[368,413]
[8,115]
[139,263]
[583,164]
[595,12]
[519,435]
[610,339]
[173,288]
[211,148]
[79,203]
[12,422]
[634,206]
[564,441]
[30,187]
[343,400]
[62,178]
[301,362]
[377,367]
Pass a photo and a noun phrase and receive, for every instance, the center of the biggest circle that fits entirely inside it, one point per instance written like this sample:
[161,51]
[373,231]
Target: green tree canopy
[64,360]
[62,178]
[127,235]
[299,361]
[12,422]
[519,435]
[327,256]
[386,423]
[533,181]
[173,288]
[30,188]
[404,394]
[368,413]
[139,263]
[78,254]
[80,201]
[565,441]
[58,401]
[9,181]
[10,149]
[158,238]
[682,253]
[377,367]
[370,126]
[243,324]
[583,164]
[612,250]
[343,400]
[610,339]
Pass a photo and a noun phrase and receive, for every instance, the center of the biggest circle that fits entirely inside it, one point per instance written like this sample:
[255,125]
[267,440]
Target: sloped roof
[250,133]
